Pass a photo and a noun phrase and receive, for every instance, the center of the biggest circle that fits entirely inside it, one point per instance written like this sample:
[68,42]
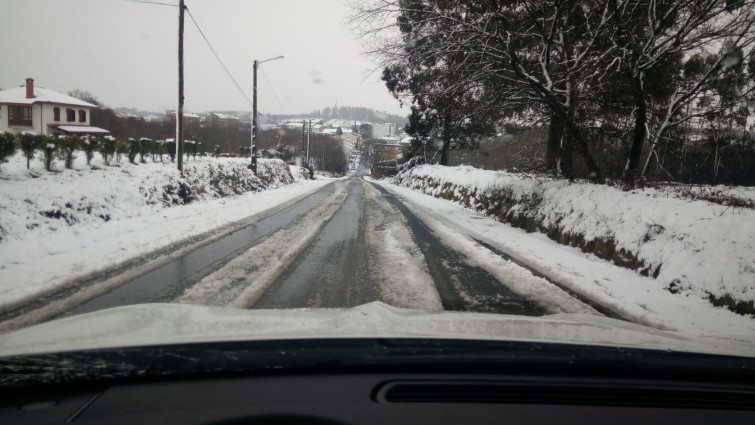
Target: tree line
[625,86]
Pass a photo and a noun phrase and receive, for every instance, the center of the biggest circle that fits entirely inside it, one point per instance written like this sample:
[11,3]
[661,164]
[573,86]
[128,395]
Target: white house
[384,130]
[44,111]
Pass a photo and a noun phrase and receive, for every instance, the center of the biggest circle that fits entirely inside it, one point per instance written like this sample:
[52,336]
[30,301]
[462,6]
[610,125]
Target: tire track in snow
[245,278]
[508,274]
[401,269]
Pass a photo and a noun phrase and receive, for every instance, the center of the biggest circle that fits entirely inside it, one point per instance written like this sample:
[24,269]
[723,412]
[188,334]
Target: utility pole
[308,133]
[254,121]
[303,136]
[180,111]
[257,63]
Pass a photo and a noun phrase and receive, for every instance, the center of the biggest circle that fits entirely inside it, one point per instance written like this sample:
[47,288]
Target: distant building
[367,130]
[189,118]
[350,141]
[384,130]
[224,120]
[44,111]
[190,123]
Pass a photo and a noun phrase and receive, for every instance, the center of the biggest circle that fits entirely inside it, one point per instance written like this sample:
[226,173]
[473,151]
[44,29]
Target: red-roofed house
[44,111]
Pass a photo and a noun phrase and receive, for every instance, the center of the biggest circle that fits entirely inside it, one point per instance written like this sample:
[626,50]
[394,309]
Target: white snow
[83,129]
[40,254]
[701,247]
[518,279]
[36,201]
[17,95]
[404,278]
[637,298]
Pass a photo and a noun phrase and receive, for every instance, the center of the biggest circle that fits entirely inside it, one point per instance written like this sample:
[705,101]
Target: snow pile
[36,200]
[694,247]
[298,172]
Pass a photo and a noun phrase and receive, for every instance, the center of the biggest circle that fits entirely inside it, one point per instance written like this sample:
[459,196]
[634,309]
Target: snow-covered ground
[36,201]
[696,247]
[637,298]
[39,254]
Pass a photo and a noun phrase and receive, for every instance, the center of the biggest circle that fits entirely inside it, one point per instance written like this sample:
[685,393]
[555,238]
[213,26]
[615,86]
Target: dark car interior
[376,381]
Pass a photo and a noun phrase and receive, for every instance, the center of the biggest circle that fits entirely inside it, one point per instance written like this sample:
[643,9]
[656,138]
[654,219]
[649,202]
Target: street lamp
[254,113]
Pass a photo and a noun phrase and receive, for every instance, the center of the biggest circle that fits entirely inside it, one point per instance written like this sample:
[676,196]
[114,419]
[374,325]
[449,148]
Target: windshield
[579,172]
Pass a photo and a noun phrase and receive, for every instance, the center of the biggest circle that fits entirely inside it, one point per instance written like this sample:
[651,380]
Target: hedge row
[64,148]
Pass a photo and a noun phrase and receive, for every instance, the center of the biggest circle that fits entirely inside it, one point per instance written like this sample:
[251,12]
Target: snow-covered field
[109,216]
[633,297]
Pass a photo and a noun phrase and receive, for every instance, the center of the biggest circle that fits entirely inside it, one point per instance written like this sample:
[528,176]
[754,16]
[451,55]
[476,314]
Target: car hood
[163,324]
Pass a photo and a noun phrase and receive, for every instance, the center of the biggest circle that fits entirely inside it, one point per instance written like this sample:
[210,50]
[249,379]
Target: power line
[273,91]
[217,57]
[152,2]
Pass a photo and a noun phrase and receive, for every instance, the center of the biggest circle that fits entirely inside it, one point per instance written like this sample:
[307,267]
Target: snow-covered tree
[107,148]
[7,146]
[121,148]
[132,150]
[28,142]
[89,145]
[67,146]
[580,65]
[47,145]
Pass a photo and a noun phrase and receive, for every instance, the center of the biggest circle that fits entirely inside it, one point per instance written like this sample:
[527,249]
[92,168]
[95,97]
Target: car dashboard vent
[574,393]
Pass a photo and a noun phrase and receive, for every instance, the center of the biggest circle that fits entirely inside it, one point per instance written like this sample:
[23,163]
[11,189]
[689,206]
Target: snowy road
[360,245]
[349,243]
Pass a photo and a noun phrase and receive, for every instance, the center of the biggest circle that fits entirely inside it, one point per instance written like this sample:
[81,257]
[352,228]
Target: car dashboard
[380,381]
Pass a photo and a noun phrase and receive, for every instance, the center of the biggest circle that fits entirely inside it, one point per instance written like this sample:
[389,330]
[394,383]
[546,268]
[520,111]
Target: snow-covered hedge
[690,247]
[35,200]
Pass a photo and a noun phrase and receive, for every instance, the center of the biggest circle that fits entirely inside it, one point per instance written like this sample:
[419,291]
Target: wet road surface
[336,269]
[333,271]
[166,283]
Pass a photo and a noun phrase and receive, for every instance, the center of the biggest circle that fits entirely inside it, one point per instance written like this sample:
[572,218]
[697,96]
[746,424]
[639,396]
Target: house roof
[81,129]
[41,95]
[226,117]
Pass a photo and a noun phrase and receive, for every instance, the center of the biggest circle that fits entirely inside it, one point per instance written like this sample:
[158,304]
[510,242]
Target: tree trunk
[566,158]
[446,141]
[553,144]
[567,115]
[638,136]
[577,141]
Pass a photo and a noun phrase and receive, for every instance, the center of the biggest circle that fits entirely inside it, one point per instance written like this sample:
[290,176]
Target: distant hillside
[355,113]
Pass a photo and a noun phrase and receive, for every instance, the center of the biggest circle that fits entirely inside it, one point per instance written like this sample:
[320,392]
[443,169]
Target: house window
[56,112]
[70,115]
[82,115]
[19,115]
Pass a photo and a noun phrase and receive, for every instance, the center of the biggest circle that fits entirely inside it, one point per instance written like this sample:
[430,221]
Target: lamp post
[257,63]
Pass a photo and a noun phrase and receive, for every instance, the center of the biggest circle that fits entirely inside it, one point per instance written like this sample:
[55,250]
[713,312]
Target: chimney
[29,88]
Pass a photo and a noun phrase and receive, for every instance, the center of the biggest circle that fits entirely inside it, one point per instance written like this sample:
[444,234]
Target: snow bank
[60,228]
[36,201]
[689,246]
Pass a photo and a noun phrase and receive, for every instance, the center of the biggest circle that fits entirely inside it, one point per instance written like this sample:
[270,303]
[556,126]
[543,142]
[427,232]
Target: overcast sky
[125,53]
